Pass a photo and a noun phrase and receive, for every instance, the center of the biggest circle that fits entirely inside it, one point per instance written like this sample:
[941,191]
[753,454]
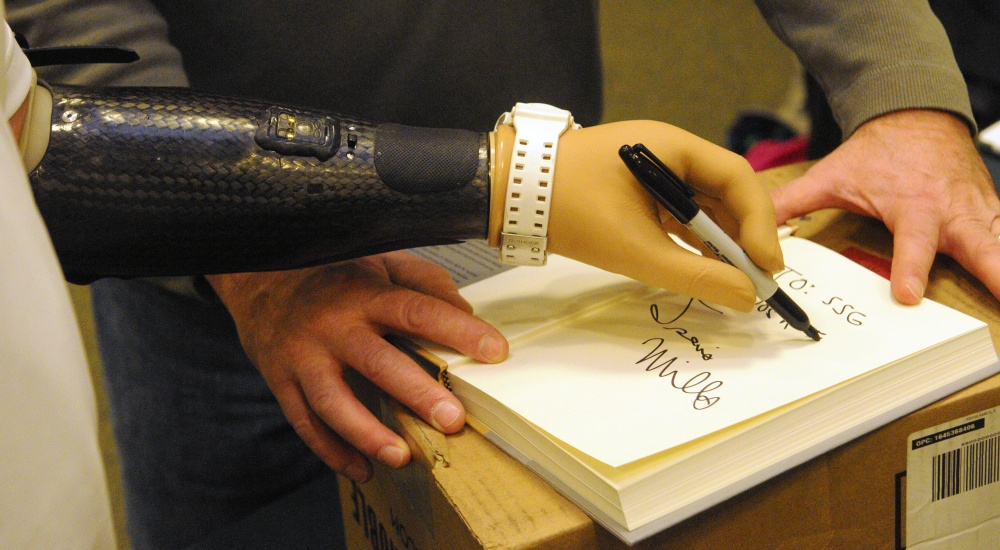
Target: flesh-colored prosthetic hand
[602,216]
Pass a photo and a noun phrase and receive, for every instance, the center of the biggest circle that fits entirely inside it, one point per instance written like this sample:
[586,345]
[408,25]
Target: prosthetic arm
[167,181]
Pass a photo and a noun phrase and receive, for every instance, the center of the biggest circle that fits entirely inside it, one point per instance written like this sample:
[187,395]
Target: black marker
[676,196]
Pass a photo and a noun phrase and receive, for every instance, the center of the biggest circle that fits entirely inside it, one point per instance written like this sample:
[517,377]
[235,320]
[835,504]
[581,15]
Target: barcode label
[953,484]
[945,475]
[981,463]
[965,469]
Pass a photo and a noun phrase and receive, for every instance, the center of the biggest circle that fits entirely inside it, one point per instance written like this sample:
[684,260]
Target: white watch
[537,128]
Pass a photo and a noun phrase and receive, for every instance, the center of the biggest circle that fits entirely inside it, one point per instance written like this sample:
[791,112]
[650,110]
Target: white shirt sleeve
[15,73]
[52,486]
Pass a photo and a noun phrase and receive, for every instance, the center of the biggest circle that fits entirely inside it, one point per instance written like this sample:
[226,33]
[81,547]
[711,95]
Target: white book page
[651,370]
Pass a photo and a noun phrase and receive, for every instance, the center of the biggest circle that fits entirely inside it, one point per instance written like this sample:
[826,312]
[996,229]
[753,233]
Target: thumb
[657,260]
[799,197]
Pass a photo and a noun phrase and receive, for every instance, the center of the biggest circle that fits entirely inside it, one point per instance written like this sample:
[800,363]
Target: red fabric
[874,263]
[769,153]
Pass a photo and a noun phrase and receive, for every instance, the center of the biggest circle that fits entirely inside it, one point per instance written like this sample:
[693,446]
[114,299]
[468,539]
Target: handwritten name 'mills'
[699,385]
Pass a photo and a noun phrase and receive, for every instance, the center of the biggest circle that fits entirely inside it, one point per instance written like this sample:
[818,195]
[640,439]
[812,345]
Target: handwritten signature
[654,311]
[699,385]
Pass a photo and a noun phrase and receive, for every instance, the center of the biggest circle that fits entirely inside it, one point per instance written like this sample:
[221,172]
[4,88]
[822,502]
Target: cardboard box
[461,492]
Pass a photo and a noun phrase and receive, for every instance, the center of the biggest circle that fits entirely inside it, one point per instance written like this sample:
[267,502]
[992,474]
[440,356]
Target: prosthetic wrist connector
[171,181]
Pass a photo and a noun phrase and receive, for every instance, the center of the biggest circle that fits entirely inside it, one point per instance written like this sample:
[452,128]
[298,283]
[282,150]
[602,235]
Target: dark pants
[202,440]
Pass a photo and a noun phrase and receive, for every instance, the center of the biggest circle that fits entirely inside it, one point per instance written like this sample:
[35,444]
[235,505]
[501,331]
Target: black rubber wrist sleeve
[170,181]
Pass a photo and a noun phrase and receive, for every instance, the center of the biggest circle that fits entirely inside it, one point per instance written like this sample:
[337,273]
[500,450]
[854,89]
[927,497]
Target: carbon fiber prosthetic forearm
[170,181]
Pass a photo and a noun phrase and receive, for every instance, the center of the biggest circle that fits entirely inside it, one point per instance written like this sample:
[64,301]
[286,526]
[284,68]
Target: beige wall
[694,64]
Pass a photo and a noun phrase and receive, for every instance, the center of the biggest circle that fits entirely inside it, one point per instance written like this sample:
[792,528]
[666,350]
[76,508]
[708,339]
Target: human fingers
[915,242]
[802,196]
[971,225]
[397,374]
[318,436]
[332,401]
[423,276]
[975,244]
[919,172]
[296,327]
[411,313]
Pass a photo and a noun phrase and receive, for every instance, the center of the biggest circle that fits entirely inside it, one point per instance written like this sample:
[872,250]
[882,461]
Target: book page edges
[626,474]
[635,515]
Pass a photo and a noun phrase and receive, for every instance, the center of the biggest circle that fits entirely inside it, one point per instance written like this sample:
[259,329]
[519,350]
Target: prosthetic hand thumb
[602,216]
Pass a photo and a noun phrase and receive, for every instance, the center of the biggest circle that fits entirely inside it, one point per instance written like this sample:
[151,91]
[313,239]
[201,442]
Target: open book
[645,407]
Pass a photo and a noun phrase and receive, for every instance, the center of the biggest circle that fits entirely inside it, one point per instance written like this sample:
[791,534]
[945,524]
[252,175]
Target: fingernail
[444,414]
[391,455]
[358,472]
[491,348]
[915,287]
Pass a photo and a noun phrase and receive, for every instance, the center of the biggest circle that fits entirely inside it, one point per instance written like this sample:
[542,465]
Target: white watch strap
[537,129]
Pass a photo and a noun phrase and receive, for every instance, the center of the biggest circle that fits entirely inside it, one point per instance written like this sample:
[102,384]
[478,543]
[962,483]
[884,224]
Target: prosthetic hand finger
[726,185]
[738,201]
[601,215]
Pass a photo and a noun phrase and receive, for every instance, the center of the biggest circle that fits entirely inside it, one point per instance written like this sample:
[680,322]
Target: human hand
[602,216]
[303,328]
[918,172]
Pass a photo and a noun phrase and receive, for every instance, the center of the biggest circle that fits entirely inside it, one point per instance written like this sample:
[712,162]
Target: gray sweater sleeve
[872,57]
[90,22]
[134,24]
